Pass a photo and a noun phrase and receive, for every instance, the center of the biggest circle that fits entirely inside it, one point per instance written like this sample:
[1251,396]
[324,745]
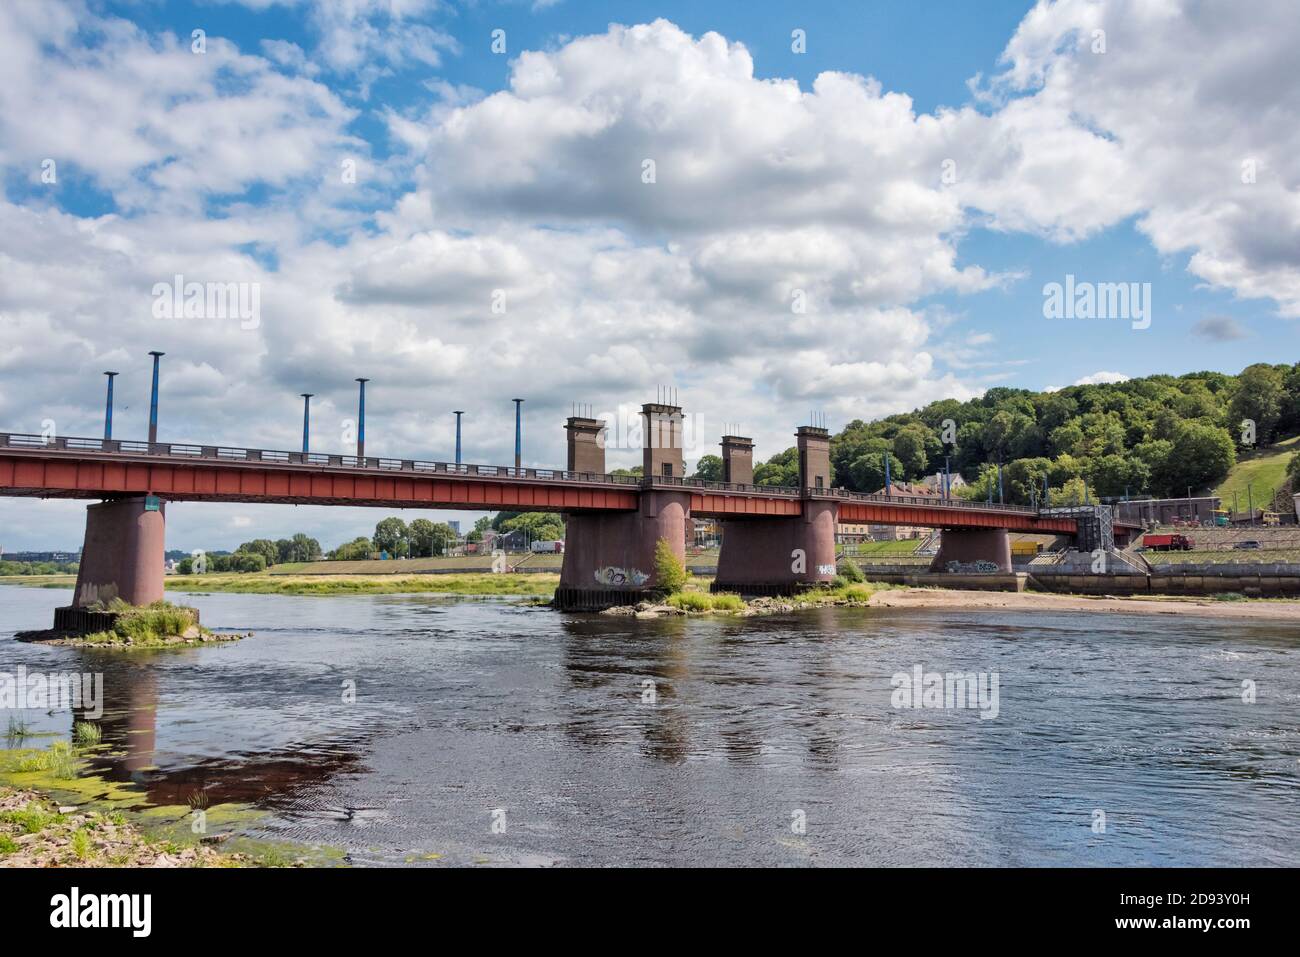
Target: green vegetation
[151,625]
[481,584]
[86,735]
[59,761]
[671,575]
[14,569]
[1258,476]
[1158,435]
[850,571]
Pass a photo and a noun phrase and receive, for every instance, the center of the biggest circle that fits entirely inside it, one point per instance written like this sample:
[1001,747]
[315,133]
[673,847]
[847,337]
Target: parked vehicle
[1168,543]
[1247,544]
[548,548]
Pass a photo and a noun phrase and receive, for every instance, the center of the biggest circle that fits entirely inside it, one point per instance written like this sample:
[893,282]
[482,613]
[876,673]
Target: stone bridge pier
[123,553]
[779,555]
[609,558]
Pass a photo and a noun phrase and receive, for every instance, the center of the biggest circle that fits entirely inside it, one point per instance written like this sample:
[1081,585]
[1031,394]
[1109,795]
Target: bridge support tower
[780,556]
[609,558]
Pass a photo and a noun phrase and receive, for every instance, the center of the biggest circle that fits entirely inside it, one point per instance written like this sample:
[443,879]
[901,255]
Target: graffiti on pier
[971,568]
[612,577]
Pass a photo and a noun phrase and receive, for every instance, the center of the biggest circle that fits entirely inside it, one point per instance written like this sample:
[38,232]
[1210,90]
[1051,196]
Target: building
[888,533]
[1169,511]
[935,481]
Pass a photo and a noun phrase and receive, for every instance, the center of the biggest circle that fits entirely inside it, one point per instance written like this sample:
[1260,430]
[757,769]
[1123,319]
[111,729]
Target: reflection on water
[614,741]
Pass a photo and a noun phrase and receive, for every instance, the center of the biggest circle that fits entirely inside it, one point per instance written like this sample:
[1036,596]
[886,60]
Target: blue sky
[1102,140]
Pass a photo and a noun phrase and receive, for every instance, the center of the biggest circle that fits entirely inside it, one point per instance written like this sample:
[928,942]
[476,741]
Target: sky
[779,209]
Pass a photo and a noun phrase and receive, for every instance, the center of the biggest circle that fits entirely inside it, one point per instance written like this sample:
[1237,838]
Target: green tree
[1261,391]
[430,538]
[355,550]
[389,534]
[261,546]
[781,469]
[708,468]
[670,572]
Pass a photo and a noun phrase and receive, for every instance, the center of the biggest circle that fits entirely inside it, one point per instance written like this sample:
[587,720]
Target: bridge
[775,539]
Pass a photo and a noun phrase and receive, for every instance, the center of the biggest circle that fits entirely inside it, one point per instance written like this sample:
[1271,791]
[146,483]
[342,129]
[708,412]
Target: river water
[492,732]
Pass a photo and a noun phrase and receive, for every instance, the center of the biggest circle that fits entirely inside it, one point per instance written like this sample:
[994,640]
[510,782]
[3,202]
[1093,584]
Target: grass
[1262,472]
[86,735]
[59,761]
[30,820]
[484,583]
[151,625]
[18,729]
[7,845]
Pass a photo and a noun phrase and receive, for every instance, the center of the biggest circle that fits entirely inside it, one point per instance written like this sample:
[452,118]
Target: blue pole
[361,423]
[153,400]
[947,479]
[1001,497]
[888,484]
[306,418]
[519,441]
[1047,494]
[108,407]
[458,415]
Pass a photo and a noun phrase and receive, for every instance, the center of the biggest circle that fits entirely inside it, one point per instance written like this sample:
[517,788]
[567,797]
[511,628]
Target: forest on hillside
[1160,435]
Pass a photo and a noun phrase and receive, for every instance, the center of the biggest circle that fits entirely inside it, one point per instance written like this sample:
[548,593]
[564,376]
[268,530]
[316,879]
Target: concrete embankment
[1253,580]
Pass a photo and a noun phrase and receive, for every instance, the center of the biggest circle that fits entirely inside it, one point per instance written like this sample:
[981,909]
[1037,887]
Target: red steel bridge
[774,538]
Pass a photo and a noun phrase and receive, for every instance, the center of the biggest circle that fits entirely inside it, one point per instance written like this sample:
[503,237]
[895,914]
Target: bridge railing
[228,453]
[660,481]
[842,494]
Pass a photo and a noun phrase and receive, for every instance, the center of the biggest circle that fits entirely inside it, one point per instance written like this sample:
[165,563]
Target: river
[492,732]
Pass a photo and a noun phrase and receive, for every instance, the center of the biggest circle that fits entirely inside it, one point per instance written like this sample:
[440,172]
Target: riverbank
[35,831]
[951,600]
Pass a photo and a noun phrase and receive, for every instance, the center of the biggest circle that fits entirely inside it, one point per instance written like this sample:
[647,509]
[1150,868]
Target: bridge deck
[82,468]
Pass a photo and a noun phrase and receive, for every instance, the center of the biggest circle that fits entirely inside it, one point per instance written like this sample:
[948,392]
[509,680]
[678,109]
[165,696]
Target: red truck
[1168,543]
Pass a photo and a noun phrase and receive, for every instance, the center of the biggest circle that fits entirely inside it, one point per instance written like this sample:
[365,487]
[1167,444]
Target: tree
[389,533]
[867,473]
[1259,399]
[248,562]
[781,469]
[303,548]
[430,538]
[355,550]
[261,546]
[1200,457]
[670,572]
[709,468]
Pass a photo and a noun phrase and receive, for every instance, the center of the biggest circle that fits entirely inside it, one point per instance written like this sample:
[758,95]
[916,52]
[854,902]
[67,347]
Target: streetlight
[108,408]
[306,418]
[153,399]
[361,424]
[519,445]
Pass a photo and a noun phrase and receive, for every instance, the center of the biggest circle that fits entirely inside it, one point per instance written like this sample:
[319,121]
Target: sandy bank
[1031,601]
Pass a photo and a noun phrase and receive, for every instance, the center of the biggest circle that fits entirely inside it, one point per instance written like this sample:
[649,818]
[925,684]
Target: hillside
[1263,472]
[1159,435]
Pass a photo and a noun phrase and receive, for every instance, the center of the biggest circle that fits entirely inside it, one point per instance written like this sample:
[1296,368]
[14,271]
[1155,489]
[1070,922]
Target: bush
[248,562]
[726,601]
[691,601]
[670,572]
[850,571]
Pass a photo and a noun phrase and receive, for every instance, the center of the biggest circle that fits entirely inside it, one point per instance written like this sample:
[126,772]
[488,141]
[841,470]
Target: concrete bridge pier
[123,554]
[970,545]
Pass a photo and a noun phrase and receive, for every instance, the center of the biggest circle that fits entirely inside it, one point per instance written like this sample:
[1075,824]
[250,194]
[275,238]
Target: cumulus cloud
[515,242]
